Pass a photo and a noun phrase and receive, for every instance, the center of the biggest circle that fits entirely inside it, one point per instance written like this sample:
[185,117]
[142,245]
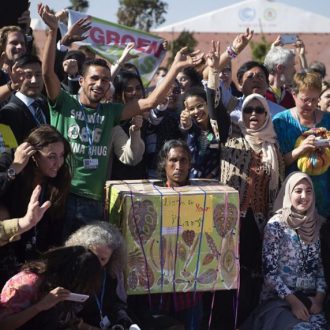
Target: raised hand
[127,55]
[300,47]
[70,67]
[184,59]
[25,19]
[22,155]
[242,40]
[17,76]
[35,212]
[213,56]
[185,119]
[277,42]
[77,31]
[136,123]
[48,17]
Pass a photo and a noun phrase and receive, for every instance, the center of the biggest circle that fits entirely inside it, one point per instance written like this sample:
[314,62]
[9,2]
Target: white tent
[260,15]
[37,24]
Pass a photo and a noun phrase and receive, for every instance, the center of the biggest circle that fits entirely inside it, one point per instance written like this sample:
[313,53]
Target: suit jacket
[20,119]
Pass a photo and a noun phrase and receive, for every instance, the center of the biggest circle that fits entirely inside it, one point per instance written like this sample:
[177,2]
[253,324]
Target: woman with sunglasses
[250,163]
[299,131]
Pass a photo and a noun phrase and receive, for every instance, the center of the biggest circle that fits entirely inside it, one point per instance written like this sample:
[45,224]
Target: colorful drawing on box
[142,220]
[224,217]
[182,242]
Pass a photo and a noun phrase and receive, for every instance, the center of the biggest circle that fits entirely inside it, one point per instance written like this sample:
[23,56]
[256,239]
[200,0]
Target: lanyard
[88,131]
[99,302]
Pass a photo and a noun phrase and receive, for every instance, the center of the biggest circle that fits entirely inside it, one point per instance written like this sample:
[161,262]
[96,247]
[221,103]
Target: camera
[322,143]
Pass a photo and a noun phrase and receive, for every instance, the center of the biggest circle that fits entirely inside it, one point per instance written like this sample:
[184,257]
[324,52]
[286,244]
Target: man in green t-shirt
[87,123]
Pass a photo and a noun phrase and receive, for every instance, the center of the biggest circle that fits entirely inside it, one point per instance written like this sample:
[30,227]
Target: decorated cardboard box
[178,239]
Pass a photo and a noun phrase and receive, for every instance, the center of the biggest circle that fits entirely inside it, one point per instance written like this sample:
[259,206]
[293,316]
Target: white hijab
[263,139]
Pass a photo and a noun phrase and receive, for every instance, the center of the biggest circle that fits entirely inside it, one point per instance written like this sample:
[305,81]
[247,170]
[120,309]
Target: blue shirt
[288,130]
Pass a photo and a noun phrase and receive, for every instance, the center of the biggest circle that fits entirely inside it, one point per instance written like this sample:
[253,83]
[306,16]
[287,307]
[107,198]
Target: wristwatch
[11,173]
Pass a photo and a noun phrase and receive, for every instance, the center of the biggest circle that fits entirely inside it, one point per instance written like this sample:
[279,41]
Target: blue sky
[177,9]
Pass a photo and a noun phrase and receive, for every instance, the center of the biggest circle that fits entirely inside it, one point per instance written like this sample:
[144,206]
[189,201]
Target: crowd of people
[71,121]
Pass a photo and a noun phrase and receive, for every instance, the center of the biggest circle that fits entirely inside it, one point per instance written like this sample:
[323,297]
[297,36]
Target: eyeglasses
[257,110]
[256,75]
[306,100]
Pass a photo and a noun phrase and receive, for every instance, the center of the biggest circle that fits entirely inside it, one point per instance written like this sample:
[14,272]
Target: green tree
[185,39]
[141,14]
[260,49]
[79,5]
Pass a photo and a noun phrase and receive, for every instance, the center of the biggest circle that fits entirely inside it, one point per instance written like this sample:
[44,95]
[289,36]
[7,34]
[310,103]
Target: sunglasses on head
[258,110]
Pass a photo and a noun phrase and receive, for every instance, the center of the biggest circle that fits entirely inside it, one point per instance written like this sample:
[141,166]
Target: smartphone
[288,39]
[77,297]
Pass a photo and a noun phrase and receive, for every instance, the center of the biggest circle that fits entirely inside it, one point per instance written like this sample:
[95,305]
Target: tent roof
[37,24]
[268,16]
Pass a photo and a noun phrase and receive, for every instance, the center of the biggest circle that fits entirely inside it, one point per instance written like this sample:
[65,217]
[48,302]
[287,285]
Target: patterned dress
[287,258]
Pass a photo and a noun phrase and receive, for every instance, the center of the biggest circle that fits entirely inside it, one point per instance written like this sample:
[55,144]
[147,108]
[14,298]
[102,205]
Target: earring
[35,161]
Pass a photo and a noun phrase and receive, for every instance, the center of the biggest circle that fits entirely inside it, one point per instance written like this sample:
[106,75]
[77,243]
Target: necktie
[37,105]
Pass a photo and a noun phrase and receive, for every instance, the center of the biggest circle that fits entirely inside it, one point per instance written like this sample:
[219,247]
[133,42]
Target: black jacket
[20,119]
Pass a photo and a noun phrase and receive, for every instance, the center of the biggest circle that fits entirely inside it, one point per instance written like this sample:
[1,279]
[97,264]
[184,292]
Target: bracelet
[234,49]
[231,52]
[11,89]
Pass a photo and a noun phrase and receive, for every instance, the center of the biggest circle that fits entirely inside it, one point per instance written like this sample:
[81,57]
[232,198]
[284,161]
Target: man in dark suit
[26,109]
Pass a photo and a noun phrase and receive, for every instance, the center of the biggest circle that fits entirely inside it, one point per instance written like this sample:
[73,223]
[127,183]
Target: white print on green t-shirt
[78,148]
[94,118]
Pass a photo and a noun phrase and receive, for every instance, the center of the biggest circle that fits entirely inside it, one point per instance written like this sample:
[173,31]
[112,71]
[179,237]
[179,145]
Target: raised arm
[125,57]
[219,117]
[232,51]
[129,149]
[182,60]
[238,45]
[51,81]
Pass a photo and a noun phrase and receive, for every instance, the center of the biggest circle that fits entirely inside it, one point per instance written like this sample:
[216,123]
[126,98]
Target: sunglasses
[258,110]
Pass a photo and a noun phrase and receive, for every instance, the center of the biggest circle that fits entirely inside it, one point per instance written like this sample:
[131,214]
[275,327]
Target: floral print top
[286,258]
[19,293]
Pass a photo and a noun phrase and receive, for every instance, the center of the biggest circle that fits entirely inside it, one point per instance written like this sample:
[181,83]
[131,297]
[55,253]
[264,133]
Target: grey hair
[277,55]
[100,233]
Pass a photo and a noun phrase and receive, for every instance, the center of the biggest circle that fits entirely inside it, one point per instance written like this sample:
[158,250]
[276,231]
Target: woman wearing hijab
[294,284]
[250,163]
